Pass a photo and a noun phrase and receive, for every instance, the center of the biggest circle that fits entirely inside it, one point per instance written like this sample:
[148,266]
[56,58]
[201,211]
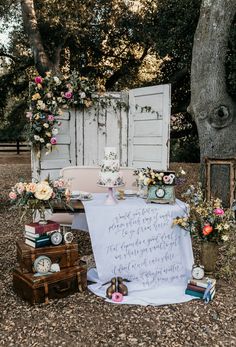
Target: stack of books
[203,289]
[37,235]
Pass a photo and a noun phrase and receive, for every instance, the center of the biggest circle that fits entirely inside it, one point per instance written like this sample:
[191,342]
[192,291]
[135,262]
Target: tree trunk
[211,107]
[41,59]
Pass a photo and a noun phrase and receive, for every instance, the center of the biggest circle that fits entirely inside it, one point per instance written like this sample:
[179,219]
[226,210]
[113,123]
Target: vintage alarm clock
[42,264]
[198,272]
[56,238]
[68,237]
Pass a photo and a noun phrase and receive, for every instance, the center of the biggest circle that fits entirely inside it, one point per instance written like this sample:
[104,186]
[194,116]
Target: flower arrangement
[207,220]
[39,196]
[48,96]
[150,176]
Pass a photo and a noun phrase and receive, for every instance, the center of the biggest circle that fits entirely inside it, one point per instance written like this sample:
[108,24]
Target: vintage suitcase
[65,255]
[40,289]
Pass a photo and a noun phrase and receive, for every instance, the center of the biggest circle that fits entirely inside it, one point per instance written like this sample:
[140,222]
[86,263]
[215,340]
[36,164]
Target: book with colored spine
[34,237]
[199,294]
[202,283]
[37,243]
[36,228]
[198,289]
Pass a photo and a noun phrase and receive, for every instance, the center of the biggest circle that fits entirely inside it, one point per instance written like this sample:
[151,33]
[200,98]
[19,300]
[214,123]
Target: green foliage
[185,149]
[109,41]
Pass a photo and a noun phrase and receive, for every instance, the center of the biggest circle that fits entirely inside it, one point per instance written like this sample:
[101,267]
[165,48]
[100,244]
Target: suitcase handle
[62,289]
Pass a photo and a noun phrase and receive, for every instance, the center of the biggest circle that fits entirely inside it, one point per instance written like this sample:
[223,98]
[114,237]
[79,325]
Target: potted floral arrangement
[207,221]
[39,196]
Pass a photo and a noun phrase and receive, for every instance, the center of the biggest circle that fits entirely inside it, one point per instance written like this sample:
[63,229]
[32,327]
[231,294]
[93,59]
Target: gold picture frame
[225,190]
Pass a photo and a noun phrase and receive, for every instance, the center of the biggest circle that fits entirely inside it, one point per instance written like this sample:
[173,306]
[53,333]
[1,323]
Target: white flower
[46,125]
[43,191]
[225,237]
[41,140]
[182,172]
[54,131]
[41,105]
[56,80]
[226,226]
[82,95]
[37,138]
[146,181]
[48,145]
[141,176]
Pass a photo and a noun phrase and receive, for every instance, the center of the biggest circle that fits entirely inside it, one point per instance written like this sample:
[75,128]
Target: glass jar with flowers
[37,197]
[207,221]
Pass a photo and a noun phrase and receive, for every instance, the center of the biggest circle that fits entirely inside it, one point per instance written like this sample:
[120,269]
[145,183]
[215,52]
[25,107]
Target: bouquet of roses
[40,196]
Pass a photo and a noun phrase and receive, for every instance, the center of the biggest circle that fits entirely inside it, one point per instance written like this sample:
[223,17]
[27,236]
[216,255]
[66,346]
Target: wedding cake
[110,169]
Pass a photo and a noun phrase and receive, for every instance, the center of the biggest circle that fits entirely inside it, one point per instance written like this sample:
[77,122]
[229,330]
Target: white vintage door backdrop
[140,136]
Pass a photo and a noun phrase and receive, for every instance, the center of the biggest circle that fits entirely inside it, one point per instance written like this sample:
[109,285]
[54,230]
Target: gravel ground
[85,320]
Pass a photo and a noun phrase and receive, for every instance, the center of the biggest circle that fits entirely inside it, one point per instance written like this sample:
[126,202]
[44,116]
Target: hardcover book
[202,283]
[199,289]
[38,243]
[34,237]
[198,294]
[37,228]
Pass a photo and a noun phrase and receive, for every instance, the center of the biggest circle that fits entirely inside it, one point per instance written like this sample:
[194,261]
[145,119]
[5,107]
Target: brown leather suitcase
[65,255]
[41,289]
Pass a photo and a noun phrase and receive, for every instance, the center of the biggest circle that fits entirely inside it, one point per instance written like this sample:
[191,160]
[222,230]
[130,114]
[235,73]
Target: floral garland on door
[49,96]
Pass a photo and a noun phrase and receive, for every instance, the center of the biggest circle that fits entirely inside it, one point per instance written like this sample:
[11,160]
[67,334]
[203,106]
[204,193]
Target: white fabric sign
[136,241]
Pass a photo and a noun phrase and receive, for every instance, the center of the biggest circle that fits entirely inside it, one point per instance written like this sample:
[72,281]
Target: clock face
[56,238]
[42,264]
[68,237]
[160,193]
[198,273]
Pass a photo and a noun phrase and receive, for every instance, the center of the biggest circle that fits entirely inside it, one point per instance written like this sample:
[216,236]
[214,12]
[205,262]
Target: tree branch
[8,55]
[41,59]
[125,69]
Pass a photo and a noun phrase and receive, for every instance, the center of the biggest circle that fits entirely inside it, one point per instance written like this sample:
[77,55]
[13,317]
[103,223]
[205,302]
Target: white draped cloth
[138,242]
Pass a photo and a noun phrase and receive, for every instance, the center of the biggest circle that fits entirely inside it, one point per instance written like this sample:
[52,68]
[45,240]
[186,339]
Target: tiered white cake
[110,169]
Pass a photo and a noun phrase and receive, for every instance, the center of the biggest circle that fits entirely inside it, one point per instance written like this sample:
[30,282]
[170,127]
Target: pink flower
[68,95]
[38,79]
[219,212]
[12,195]
[20,188]
[168,179]
[53,140]
[117,297]
[51,117]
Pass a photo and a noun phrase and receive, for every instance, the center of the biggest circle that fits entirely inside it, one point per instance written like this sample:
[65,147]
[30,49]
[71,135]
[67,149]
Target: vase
[42,218]
[208,256]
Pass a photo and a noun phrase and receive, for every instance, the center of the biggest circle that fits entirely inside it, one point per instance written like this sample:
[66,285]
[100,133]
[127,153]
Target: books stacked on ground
[203,289]
[37,235]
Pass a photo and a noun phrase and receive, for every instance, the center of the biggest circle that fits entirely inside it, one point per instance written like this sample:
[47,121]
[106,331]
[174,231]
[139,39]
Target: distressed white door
[149,129]
[99,127]
[141,137]
[63,153]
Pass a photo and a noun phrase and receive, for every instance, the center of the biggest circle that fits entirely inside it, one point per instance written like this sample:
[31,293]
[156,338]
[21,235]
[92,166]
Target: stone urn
[209,255]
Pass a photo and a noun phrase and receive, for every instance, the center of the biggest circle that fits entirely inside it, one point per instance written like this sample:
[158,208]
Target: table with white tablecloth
[137,241]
